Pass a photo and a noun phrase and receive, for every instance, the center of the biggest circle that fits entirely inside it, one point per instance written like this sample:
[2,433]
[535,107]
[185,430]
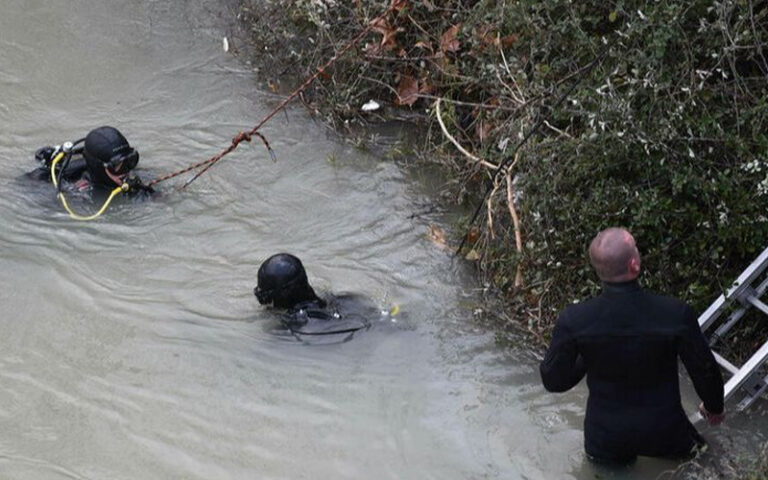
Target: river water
[132,346]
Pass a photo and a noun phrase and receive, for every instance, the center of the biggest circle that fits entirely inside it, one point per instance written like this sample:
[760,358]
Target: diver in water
[101,161]
[283,283]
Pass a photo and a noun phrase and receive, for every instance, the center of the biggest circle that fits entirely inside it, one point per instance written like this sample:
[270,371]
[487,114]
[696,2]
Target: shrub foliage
[667,135]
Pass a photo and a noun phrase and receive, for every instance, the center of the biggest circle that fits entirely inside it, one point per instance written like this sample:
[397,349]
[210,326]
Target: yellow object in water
[122,188]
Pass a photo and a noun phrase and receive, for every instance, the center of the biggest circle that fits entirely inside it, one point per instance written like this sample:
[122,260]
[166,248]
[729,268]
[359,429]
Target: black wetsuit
[334,314]
[76,178]
[74,171]
[627,342]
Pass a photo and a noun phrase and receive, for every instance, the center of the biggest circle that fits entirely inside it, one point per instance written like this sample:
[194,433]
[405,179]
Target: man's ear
[633,266]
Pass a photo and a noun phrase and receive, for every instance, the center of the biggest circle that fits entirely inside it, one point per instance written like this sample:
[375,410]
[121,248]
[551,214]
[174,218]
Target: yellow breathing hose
[122,188]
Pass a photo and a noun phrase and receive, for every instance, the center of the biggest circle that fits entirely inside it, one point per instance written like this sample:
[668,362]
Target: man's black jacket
[627,342]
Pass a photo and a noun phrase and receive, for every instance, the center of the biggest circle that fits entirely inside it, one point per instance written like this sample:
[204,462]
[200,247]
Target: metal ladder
[747,296]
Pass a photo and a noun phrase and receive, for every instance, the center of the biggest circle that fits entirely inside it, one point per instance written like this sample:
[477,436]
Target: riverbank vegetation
[661,127]
[648,115]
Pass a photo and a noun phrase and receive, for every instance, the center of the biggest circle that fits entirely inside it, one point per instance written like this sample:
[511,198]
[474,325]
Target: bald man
[627,342]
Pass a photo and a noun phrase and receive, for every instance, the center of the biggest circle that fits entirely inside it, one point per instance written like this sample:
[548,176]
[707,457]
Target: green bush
[667,135]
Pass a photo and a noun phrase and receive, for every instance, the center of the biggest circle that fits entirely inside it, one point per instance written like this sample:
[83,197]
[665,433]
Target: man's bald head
[614,255]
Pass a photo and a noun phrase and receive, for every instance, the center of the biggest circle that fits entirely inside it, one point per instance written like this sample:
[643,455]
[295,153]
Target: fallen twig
[456,143]
[515,224]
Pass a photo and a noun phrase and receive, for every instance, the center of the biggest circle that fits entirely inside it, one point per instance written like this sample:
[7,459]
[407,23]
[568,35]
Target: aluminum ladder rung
[732,369]
[755,301]
[745,377]
[743,282]
[746,370]
[738,313]
[754,386]
[757,389]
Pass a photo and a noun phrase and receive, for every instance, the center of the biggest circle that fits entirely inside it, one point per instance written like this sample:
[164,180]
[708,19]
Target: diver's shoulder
[346,297]
[39,174]
[349,301]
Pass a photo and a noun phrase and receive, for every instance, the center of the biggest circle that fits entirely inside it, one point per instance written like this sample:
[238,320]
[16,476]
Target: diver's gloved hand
[44,155]
[135,184]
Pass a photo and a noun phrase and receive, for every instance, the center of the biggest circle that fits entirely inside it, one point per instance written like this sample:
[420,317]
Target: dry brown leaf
[425,87]
[473,235]
[509,40]
[382,26]
[448,40]
[398,5]
[486,35]
[482,129]
[372,49]
[424,45]
[472,255]
[437,235]
[407,91]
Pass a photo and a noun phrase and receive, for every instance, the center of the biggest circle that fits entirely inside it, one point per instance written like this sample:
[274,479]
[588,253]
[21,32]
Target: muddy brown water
[132,347]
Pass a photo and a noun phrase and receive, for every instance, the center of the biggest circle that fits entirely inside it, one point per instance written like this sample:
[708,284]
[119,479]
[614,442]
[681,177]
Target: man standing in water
[627,342]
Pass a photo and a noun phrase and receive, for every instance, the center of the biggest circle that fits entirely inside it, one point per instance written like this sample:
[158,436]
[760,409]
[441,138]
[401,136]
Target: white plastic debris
[371,106]
[225,44]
